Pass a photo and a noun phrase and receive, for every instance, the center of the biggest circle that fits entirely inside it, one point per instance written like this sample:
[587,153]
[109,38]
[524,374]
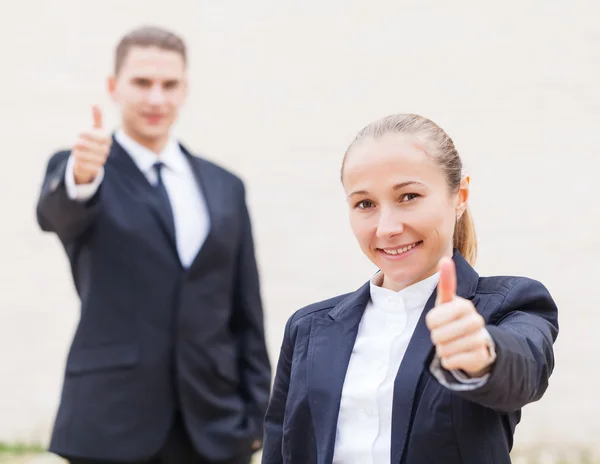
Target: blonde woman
[427,362]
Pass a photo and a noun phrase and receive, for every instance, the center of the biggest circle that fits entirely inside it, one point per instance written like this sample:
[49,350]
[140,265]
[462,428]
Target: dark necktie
[163,199]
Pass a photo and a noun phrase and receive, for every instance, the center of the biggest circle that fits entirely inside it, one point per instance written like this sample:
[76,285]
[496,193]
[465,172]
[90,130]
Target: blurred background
[278,91]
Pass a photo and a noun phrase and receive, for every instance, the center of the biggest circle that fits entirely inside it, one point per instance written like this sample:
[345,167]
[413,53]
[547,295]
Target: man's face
[149,89]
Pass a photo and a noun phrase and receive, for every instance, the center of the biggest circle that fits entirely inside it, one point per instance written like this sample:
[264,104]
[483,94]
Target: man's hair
[148,36]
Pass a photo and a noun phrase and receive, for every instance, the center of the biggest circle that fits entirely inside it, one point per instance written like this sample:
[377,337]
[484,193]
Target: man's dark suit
[153,336]
[430,423]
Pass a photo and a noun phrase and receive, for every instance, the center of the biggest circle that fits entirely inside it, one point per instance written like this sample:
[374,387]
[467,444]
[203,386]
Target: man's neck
[156,145]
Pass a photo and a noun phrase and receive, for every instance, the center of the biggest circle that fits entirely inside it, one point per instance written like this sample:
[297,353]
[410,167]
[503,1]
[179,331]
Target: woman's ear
[463,196]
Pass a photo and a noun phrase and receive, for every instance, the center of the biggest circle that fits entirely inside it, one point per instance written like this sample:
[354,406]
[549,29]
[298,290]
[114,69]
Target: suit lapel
[210,186]
[142,190]
[414,363]
[406,382]
[330,346]
[213,191]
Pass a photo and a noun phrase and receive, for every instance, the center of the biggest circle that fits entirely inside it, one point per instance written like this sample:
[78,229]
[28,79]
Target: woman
[427,362]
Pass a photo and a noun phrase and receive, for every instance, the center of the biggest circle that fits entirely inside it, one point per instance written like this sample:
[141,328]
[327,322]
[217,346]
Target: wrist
[479,373]
[491,349]
[83,179]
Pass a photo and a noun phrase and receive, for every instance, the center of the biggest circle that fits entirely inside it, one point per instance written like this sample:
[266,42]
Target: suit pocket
[110,357]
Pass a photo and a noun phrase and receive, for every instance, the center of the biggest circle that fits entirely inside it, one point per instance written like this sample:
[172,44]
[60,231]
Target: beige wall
[278,91]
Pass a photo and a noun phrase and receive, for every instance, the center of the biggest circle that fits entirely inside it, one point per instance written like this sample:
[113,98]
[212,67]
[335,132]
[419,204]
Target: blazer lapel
[414,363]
[142,189]
[213,191]
[330,346]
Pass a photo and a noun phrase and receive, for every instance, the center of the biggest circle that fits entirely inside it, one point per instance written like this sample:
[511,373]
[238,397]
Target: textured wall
[278,91]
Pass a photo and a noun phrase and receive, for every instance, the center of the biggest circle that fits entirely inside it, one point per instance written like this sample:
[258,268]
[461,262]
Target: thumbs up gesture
[457,329]
[90,150]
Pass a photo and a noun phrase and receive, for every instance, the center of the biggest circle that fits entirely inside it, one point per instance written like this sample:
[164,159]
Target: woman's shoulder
[506,284]
[323,308]
[318,308]
[516,291]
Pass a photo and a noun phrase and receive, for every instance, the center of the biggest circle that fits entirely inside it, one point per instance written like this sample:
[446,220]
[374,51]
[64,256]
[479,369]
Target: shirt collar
[171,155]
[413,297]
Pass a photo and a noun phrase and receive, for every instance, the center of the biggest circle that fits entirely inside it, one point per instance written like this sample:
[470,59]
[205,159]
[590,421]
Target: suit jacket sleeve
[524,331]
[56,211]
[273,452]
[248,327]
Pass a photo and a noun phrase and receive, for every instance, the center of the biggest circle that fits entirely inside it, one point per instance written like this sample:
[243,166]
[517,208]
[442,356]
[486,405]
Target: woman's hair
[440,147]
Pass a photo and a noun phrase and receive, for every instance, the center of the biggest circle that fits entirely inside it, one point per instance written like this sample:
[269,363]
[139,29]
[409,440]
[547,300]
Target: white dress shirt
[364,428]
[190,212]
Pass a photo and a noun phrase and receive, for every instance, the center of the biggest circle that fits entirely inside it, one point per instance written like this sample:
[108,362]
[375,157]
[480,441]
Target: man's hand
[91,150]
[457,329]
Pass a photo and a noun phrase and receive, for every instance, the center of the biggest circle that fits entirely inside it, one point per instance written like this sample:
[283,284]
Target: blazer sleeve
[273,451]
[524,331]
[58,213]
[248,329]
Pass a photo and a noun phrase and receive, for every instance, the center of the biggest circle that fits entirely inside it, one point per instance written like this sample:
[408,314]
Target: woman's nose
[390,224]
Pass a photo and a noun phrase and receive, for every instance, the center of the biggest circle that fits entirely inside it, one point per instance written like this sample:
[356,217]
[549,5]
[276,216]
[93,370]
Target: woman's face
[401,209]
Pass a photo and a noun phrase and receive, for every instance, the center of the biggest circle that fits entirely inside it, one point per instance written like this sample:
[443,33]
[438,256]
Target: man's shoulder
[57,161]
[212,167]
[58,156]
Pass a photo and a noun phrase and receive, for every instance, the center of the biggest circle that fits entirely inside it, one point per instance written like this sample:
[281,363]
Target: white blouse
[364,428]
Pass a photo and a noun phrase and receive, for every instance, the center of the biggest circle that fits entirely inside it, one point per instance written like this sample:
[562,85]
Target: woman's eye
[410,196]
[364,204]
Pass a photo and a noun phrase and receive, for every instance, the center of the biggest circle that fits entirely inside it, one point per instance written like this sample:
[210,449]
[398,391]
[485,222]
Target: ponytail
[465,239]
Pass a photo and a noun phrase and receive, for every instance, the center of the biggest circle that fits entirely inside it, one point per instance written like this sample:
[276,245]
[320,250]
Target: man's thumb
[97,114]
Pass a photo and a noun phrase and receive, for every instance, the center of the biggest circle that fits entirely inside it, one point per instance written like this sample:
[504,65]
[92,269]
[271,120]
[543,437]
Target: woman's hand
[457,330]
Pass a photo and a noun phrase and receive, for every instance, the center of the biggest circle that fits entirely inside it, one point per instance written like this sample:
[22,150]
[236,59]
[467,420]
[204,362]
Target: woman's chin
[396,279]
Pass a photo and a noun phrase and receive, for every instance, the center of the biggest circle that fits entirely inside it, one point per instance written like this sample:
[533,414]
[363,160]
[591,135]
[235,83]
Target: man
[168,363]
